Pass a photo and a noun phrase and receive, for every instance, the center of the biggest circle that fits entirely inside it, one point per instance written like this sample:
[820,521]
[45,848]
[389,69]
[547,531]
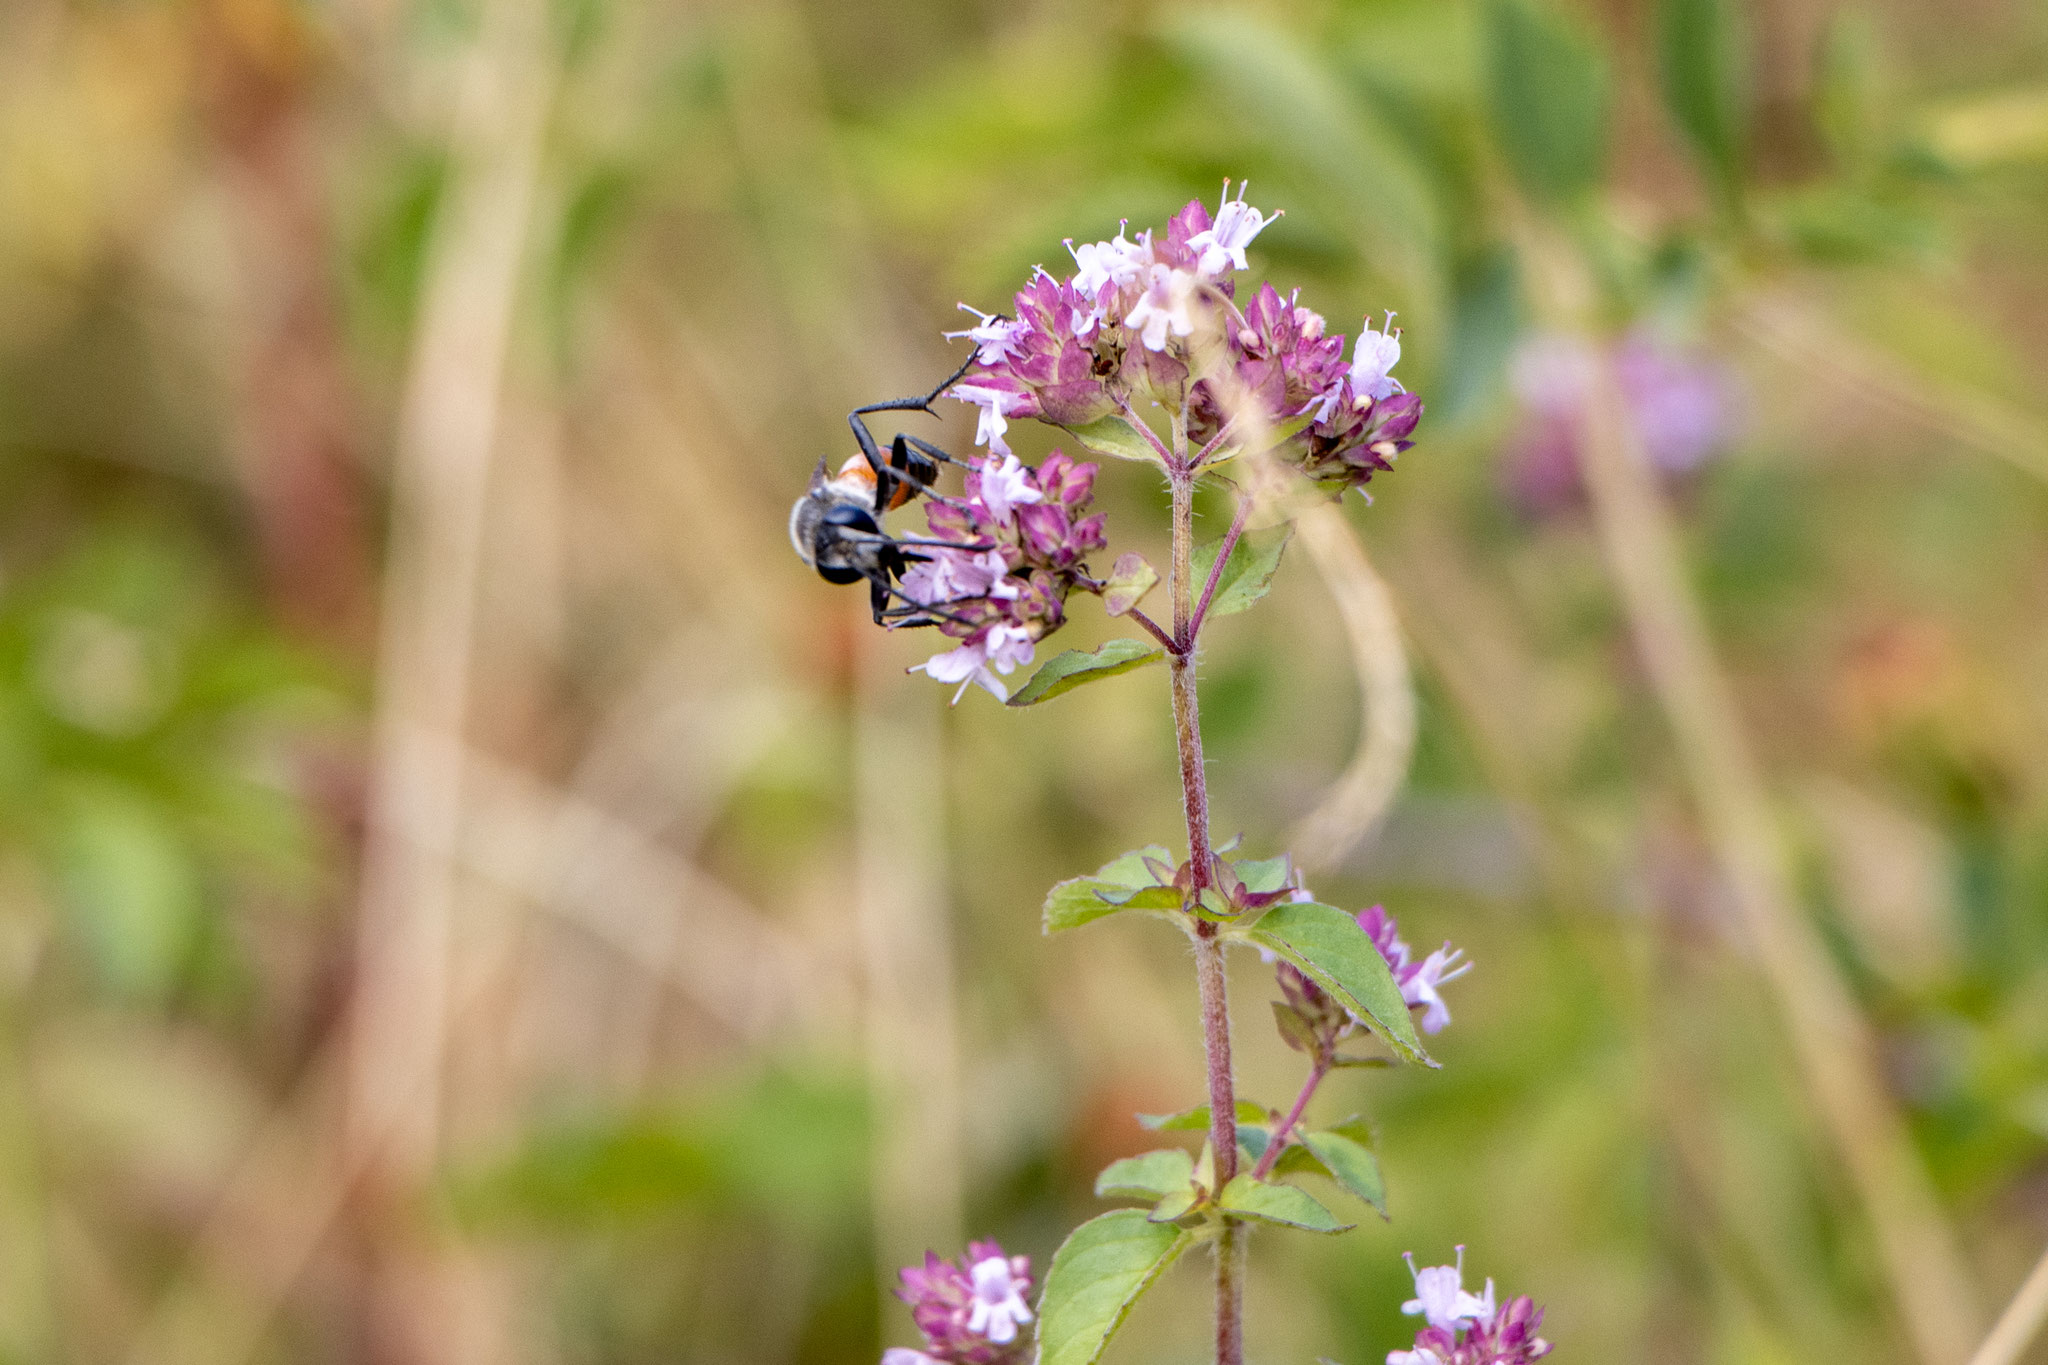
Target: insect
[836,526]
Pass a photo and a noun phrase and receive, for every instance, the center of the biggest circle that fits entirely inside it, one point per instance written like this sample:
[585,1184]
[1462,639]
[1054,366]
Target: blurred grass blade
[1275,84]
[1703,59]
[1548,87]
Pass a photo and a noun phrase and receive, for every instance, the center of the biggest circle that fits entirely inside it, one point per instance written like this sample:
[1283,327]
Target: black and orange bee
[836,526]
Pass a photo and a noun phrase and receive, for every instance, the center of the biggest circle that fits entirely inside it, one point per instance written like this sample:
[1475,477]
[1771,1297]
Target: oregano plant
[1146,353]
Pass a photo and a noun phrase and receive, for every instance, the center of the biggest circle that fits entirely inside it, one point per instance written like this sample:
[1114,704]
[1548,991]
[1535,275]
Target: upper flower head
[970,1313]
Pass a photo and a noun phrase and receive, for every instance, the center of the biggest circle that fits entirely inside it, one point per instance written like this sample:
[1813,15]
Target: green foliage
[1098,1273]
[1115,437]
[1330,948]
[1294,1030]
[1130,578]
[1548,90]
[1071,668]
[1196,1120]
[1345,1153]
[1152,1175]
[788,1144]
[1702,51]
[1247,574]
[1283,1204]
[1131,881]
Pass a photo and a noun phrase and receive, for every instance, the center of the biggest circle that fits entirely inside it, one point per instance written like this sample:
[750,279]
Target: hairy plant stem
[1209,975]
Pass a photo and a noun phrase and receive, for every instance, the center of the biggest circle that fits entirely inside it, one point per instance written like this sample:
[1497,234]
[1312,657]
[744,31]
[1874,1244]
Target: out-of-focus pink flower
[1681,404]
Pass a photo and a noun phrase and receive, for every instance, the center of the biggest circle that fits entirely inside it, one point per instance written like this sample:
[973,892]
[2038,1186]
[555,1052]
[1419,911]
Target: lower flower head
[1462,1328]
[1017,546]
[972,1312]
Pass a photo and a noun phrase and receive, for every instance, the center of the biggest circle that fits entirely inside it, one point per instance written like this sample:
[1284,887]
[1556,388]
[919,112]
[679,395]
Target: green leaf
[1294,1030]
[1130,578]
[1706,79]
[1351,1164]
[1069,669]
[1283,1204]
[1253,1139]
[1196,1120]
[1548,86]
[1176,1205]
[1327,944]
[1079,900]
[1372,1063]
[1115,437]
[1096,1275]
[1152,1175]
[1247,574]
[1264,874]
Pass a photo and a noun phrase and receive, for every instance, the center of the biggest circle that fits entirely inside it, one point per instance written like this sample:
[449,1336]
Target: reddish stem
[1193,627]
[1279,1138]
[1157,633]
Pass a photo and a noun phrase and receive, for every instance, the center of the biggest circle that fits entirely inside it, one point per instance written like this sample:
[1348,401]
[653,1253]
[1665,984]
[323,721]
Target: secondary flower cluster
[1461,1328]
[971,1313]
[1021,539]
[1683,407]
[1156,318]
[1419,981]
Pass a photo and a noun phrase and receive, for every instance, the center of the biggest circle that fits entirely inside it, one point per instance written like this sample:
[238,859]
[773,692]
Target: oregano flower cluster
[1153,350]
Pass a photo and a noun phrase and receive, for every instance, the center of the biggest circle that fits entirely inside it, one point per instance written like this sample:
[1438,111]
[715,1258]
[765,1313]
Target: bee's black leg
[885,477]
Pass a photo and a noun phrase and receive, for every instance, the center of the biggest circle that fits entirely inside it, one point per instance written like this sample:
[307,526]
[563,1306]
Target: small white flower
[1163,307]
[1222,244]
[978,661]
[954,575]
[996,336]
[899,1355]
[1375,355]
[998,1301]
[1420,989]
[1441,1298]
[1117,262]
[1004,485]
[996,406]
[1416,1357]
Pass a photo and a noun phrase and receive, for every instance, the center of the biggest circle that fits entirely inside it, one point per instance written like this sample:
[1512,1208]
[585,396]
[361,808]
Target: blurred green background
[467,893]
